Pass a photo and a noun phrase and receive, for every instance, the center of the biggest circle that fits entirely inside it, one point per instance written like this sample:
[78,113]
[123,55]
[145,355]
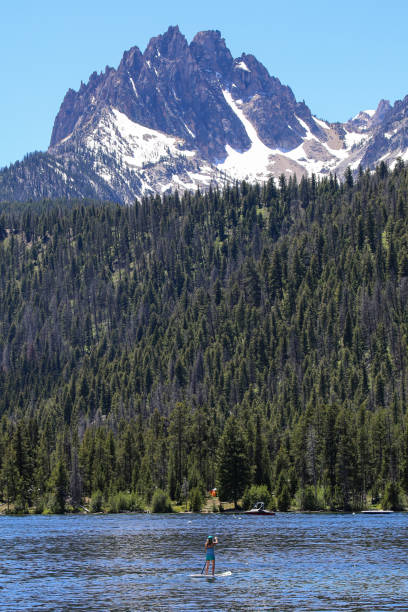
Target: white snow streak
[189,131]
[133,86]
[321,123]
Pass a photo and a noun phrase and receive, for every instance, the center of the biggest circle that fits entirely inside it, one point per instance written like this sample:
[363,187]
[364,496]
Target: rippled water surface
[144,562]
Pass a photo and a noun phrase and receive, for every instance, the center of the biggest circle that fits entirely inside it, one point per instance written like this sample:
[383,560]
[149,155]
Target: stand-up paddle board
[220,575]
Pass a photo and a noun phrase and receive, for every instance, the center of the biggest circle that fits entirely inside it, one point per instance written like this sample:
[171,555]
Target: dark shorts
[210,555]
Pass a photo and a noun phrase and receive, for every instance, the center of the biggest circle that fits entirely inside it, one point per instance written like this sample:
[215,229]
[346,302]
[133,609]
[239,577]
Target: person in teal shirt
[209,553]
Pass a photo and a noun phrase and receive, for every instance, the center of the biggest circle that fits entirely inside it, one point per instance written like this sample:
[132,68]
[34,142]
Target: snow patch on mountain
[242,65]
[253,163]
[135,144]
[354,138]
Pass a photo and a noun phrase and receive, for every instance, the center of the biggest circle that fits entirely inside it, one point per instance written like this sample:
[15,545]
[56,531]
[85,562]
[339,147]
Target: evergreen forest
[253,339]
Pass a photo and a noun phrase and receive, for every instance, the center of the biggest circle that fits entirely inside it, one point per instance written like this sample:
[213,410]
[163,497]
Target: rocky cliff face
[184,115]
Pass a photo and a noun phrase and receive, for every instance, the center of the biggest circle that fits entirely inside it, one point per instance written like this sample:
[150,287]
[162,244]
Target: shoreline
[86,512]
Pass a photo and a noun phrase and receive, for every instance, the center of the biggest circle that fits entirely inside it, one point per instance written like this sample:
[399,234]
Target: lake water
[143,562]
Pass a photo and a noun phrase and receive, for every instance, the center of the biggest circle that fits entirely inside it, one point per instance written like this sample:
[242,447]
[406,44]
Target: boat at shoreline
[259,510]
[377,511]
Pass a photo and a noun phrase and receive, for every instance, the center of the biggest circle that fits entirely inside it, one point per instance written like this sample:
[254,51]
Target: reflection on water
[140,562]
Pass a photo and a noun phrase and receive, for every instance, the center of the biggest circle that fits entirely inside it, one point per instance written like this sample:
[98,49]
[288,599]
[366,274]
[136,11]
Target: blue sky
[339,57]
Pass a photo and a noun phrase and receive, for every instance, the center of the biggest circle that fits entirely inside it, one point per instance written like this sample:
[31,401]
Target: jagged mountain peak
[383,108]
[171,44]
[131,61]
[207,38]
[190,114]
[211,53]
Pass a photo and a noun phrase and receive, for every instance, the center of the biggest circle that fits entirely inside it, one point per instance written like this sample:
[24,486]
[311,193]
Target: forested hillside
[170,343]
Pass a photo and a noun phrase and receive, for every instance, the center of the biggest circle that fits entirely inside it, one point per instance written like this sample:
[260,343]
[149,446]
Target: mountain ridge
[186,115]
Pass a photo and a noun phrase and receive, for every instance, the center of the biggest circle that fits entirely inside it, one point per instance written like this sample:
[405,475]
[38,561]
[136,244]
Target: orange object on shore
[213,492]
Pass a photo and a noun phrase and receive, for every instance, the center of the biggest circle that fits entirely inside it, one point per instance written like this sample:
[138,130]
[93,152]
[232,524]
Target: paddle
[203,566]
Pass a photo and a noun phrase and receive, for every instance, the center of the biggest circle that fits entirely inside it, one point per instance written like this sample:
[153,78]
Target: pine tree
[59,487]
[233,466]
[9,477]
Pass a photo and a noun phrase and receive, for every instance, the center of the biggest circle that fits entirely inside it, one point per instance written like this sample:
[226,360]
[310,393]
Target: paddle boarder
[209,553]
